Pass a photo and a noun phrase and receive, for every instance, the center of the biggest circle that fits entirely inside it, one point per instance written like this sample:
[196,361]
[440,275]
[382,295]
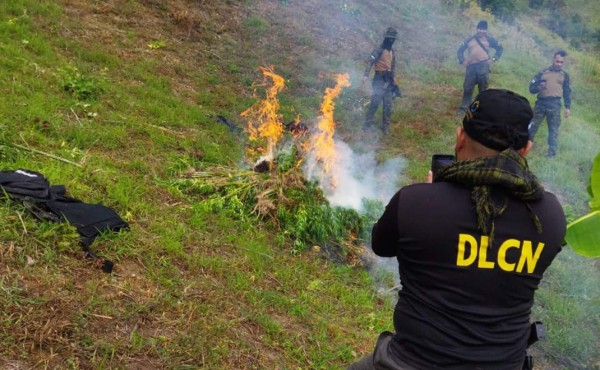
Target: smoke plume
[359,177]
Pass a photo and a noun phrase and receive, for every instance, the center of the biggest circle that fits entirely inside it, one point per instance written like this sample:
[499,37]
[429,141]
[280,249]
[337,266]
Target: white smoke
[357,177]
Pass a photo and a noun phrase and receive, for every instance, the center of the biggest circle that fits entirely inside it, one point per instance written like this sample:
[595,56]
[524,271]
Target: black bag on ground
[24,183]
[51,203]
[89,219]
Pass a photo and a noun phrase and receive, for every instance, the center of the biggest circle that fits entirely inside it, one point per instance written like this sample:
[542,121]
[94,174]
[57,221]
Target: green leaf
[595,204]
[595,184]
[583,235]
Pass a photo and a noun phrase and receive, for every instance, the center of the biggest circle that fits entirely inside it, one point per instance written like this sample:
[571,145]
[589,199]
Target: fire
[264,121]
[265,125]
[323,145]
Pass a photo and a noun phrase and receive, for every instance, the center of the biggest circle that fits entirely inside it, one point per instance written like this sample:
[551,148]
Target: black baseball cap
[482,25]
[499,119]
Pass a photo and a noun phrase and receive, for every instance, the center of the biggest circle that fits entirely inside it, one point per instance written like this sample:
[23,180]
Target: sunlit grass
[198,288]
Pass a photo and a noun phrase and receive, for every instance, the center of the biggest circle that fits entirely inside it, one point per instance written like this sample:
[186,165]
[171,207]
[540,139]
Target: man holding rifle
[385,88]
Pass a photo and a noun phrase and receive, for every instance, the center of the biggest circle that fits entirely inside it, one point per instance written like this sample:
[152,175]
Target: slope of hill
[118,100]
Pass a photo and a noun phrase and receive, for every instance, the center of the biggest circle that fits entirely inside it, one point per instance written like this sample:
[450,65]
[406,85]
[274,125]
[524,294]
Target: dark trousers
[387,356]
[476,74]
[382,93]
[549,108]
[383,357]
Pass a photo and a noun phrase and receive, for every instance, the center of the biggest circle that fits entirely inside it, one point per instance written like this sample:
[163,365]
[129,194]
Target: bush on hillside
[505,10]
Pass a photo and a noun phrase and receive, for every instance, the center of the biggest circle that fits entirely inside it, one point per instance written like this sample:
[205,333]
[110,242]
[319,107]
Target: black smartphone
[439,161]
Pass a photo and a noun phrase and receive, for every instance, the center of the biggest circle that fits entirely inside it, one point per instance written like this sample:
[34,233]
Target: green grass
[566,294]
[201,279]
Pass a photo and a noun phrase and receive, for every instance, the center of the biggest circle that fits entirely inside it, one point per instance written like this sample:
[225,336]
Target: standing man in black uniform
[384,84]
[478,61]
[550,85]
[472,248]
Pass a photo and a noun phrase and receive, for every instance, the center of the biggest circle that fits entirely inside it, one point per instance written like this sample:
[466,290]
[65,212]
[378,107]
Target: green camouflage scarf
[493,179]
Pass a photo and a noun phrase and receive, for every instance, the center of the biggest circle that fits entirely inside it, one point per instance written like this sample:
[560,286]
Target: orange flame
[323,145]
[263,120]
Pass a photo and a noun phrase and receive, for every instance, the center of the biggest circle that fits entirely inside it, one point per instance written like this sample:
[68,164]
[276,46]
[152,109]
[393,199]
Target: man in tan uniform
[384,86]
[478,61]
[551,84]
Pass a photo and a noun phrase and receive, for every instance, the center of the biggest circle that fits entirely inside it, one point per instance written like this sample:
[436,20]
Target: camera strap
[483,47]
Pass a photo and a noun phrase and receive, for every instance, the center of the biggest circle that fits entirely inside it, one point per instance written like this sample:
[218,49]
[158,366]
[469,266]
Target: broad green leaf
[583,235]
[595,184]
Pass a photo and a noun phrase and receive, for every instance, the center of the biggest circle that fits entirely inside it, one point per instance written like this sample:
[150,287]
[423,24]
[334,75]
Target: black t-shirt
[465,304]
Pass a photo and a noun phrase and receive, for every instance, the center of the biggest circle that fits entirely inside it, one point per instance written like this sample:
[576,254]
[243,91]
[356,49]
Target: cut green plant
[283,198]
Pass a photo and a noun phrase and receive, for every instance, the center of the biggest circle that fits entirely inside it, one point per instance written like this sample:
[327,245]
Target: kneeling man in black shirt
[472,248]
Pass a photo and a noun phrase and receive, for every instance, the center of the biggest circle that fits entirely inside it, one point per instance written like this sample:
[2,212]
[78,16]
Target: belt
[481,61]
[549,99]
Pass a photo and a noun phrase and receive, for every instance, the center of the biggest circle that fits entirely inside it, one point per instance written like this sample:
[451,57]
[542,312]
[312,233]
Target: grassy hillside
[118,100]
